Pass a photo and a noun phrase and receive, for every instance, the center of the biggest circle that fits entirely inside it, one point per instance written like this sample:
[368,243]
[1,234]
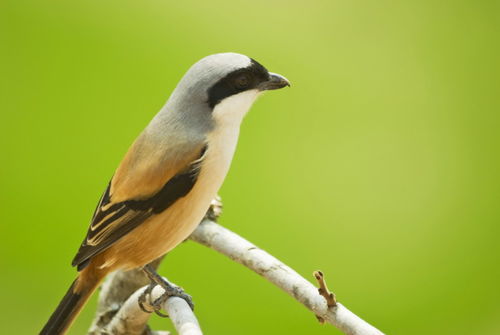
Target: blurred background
[380,166]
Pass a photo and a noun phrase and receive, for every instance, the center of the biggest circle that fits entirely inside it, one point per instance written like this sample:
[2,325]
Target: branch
[131,319]
[119,312]
[216,237]
[114,292]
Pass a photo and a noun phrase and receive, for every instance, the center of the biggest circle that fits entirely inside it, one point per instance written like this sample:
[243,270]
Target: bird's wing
[146,183]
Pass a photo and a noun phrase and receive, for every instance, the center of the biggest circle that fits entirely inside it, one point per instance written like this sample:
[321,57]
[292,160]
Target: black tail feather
[66,311]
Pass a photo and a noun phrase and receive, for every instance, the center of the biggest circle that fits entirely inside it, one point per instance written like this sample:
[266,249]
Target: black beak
[275,82]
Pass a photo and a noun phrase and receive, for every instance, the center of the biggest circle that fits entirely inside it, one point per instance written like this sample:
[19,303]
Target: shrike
[169,176]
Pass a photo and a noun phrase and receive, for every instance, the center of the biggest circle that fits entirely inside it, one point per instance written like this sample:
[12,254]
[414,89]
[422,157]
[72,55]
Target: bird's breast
[164,231]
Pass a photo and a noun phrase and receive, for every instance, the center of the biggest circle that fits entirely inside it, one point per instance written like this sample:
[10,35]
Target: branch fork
[119,312]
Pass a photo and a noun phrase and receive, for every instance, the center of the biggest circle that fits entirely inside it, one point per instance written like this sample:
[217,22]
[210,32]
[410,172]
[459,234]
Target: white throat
[222,140]
[230,111]
[221,143]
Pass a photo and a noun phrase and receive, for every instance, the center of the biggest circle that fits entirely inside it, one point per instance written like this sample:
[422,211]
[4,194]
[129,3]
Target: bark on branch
[132,320]
[240,250]
[118,312]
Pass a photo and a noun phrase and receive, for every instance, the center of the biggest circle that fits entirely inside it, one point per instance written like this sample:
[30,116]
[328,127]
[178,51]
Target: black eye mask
[236,82]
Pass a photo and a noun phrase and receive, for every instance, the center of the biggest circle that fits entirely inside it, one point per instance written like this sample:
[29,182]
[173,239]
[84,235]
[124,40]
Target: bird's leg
[213,213]
[171,290]
[215,209]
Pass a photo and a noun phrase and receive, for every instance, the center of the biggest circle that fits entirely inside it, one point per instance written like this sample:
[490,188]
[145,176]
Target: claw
[142,298]
[157,306]
[158,303]
[170,291]
[141,306]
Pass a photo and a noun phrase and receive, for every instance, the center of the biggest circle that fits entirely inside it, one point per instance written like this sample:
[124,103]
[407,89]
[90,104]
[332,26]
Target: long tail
[69,307]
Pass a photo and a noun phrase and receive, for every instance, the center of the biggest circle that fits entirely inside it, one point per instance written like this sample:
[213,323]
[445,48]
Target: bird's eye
[242,81]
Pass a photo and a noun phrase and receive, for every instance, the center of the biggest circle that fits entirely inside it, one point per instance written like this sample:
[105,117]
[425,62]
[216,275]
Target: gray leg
[170,291]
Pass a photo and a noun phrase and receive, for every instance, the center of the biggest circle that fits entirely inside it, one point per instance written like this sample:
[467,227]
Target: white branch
[182,316]
[119,311]
[240,250]
[130,319]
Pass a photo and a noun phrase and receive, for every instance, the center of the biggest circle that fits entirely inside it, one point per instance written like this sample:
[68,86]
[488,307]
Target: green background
[380,166]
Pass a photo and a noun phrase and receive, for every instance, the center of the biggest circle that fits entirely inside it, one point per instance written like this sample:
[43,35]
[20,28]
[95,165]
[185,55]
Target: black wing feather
[132,213]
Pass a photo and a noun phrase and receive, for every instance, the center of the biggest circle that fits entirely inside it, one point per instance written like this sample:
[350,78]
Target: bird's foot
[215,209]
[171,290]
[145,297]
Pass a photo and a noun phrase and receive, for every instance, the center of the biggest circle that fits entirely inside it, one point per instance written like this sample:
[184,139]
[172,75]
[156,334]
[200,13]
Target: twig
[323,290]
[240,250]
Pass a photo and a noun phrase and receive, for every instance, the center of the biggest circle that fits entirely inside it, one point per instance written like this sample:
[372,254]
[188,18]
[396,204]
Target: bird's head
[222,87]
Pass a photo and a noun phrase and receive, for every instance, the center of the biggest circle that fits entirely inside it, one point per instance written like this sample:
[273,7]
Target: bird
[167,179]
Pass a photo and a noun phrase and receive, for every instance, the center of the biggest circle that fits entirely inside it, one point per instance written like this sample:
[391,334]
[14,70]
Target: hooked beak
[275,82]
